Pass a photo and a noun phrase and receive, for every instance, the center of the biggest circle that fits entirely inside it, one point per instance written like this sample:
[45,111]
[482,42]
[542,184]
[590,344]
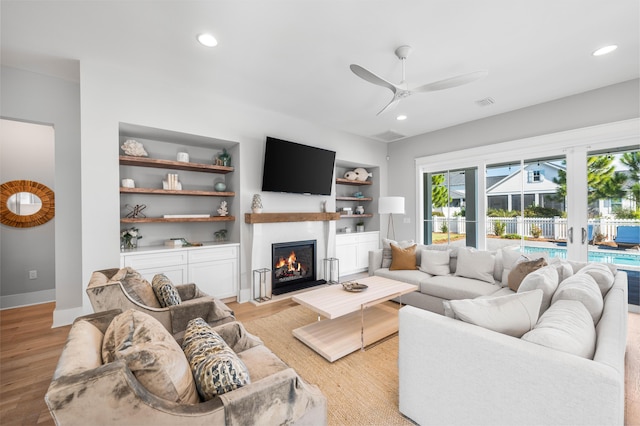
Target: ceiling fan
[401,90]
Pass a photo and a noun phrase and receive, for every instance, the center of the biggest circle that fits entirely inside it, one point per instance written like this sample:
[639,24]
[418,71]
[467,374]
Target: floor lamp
[391,206]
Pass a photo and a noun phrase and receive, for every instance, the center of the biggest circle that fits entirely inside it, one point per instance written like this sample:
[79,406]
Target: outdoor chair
[627,236]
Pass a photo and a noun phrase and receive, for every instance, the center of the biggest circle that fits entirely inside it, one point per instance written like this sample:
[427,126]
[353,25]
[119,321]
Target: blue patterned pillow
[216,368]
[165,291]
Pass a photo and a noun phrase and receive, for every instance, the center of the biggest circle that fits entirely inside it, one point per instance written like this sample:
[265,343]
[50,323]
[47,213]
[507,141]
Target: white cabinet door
[177,274]
[363,253]
[347,253]
[217,278]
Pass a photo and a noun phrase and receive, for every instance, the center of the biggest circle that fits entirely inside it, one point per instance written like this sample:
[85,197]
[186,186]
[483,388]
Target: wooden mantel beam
[289,217]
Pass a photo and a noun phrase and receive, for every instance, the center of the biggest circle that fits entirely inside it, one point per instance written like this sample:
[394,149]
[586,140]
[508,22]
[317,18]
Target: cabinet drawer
[215,253]
[155,260]
[367,238]
[346,239]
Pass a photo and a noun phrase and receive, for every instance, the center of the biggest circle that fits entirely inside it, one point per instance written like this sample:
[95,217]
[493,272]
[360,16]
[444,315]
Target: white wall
[38,98]
[112,95]
[610,104]
[27,153]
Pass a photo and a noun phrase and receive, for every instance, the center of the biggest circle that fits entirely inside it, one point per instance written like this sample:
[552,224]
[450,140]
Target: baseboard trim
[27,299]
[62,317]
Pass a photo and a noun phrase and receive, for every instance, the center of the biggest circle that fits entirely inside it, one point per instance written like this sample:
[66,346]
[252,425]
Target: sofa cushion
[435,262]
[166,293]
[583,288]
[151,354]
[566,326]
[386,249]
[602,275]
[514,314]
[137,287]
[216,368]
[452,287]
[545,279]
[475,264]
[521,270]
[403,258]
[414,277]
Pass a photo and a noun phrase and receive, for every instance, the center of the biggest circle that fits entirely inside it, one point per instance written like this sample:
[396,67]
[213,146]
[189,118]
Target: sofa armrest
[281,398]
[188,291]
[375,260]
[207,308]
[501,379]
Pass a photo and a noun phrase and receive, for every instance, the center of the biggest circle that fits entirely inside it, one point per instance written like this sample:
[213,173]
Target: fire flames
[290,262]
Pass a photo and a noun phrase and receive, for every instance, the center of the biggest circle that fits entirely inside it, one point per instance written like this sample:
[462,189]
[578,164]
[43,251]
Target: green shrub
[444,228]
[536,231]
[499,228]
[627,213]
[512,237]
[439,214]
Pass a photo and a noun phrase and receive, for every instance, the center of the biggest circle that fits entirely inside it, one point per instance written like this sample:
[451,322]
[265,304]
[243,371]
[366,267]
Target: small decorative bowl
[354,287]
[220,186]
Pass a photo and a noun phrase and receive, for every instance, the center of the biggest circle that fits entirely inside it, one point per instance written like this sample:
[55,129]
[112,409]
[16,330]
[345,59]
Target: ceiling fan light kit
[401,90]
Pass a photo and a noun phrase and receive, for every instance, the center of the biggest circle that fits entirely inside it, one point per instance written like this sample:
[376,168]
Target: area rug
[361,388]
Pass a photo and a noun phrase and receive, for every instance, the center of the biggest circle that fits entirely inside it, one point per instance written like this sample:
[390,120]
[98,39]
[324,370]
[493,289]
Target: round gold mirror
[24,203]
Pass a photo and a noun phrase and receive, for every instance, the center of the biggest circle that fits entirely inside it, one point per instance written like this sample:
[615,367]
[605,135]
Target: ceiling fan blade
[447,83]
[372,78]
[390,105]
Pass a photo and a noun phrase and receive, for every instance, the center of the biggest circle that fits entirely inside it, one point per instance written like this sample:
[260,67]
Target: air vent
[485,102]
[389,136]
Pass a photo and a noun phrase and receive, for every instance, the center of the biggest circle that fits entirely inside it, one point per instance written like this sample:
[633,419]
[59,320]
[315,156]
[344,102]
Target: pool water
[617,258]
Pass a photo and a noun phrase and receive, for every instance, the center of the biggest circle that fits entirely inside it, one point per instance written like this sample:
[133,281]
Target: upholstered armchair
[126,289]
[121,368]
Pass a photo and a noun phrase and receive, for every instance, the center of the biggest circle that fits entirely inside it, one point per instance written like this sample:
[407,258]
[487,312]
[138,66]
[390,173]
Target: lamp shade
[391,205]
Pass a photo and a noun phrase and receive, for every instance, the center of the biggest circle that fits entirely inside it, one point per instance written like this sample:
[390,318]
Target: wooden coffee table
[354,320]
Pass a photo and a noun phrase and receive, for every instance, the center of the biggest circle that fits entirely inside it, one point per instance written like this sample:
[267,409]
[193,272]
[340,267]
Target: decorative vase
[360,210]
[220,186]
[359,228]
[256,204]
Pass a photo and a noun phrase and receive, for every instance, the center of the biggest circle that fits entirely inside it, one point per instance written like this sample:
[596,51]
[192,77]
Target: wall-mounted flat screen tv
[296,168]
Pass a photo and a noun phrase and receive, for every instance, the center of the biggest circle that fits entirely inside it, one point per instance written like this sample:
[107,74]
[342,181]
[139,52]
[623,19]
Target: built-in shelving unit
[175,165]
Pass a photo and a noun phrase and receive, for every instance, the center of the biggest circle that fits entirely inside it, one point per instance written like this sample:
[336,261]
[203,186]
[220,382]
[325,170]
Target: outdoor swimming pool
[615,257]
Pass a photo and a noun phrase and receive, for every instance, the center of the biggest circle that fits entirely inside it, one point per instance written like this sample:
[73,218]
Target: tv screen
[297,168]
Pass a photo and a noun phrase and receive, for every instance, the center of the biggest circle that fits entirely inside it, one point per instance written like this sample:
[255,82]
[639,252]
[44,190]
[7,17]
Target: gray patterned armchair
[126,289]
[146,382]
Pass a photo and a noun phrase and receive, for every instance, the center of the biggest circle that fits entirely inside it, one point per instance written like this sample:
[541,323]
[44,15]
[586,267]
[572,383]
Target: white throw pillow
[566,326]
[386,249]
[435,262]
[475,264]
[514,314]
[545,279]
[602,275]
[563,267]
[582,288]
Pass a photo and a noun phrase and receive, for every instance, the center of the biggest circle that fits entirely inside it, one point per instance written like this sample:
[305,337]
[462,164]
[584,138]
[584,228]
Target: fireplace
[294,266]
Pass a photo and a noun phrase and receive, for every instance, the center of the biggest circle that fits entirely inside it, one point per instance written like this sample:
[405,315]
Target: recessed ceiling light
[605,50]
[401,117]
[207,40]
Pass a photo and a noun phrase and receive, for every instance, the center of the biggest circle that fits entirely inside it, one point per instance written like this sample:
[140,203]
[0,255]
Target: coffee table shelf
[354,320]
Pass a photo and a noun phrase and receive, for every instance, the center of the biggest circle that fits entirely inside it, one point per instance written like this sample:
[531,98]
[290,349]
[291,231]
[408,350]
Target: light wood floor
[29,351]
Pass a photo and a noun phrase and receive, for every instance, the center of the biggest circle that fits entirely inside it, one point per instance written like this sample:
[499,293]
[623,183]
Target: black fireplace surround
[293,266]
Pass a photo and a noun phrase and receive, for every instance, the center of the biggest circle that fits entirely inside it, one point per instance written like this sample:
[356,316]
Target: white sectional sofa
[566,367]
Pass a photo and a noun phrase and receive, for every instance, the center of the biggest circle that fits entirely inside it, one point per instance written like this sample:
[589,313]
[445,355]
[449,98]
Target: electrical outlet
[33,274]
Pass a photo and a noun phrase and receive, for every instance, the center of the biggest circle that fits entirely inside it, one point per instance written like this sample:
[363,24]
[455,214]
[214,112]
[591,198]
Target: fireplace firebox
[294,266]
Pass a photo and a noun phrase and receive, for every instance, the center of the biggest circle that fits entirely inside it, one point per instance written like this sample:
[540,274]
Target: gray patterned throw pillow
[165,291]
